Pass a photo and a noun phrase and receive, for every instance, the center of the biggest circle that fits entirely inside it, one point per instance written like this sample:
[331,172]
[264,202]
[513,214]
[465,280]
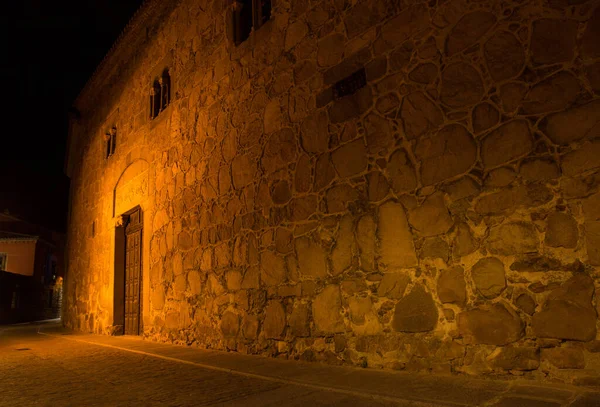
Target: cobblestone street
[44,365]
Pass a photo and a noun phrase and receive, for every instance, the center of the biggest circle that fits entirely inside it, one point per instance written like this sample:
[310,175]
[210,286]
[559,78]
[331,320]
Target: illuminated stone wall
[445,217]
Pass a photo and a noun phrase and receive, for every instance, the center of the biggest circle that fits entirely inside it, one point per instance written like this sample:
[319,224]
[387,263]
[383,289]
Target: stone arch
[132,187]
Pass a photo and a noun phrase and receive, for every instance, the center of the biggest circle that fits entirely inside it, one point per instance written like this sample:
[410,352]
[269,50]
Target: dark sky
[49,50]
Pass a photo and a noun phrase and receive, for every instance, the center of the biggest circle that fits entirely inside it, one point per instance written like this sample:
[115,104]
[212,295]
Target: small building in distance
[31,271]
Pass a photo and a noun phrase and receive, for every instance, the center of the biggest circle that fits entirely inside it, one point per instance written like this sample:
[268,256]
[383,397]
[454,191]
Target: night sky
[49,49]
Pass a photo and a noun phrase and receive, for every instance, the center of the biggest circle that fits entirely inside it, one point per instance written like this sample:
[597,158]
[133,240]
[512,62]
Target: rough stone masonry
[444,217]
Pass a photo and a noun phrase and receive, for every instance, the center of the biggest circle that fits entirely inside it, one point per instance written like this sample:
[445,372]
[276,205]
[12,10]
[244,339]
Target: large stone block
[561,230]
[279,151]
[416,312]
[469,29]
[393,285]
[489,277]
[350,159]
[431,218]
[341,255]
[326,310]
[243,171]
[461,85]
[485,116]
[314,134]
[339,196]
[396,248]
[420,115]
[272,269]
[592,241]
[312,261]
[452,151]
[402,174]
[515,358]
[366,240]
[577,123]
[274,322]
[451,287]
[552,94]
[492,325]
[590,42]
[379,133]
[510,141]
[504,56]
[299,322]
[568,312]
[553,41]
[513,238]
[409,22]
[585,158]
[230,324]
[564,358]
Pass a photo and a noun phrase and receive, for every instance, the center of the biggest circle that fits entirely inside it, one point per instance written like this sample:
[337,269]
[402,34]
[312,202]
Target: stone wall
[445,217]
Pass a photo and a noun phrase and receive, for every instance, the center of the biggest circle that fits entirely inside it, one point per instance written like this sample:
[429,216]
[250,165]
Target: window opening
[350,84]
[111,141]
[160,94]
[248,16]
[3,260]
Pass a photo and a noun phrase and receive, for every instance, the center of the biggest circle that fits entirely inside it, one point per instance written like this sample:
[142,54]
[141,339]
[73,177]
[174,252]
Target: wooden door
[133,274]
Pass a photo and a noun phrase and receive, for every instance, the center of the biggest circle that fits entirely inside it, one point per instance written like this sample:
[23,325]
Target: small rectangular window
[110,139]
[3,261]
[350,84]
[160,94]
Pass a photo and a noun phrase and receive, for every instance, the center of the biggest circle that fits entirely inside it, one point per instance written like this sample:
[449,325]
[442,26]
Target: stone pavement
[42,364]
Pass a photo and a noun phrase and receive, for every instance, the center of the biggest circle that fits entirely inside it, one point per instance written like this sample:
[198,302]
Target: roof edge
[139,17]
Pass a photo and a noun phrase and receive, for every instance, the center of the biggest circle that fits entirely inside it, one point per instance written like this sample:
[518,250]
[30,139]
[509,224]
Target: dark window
[111,141]
[160,94]
[249,15]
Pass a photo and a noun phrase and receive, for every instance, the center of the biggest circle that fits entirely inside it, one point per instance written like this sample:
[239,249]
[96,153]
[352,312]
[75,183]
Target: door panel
[133,274]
